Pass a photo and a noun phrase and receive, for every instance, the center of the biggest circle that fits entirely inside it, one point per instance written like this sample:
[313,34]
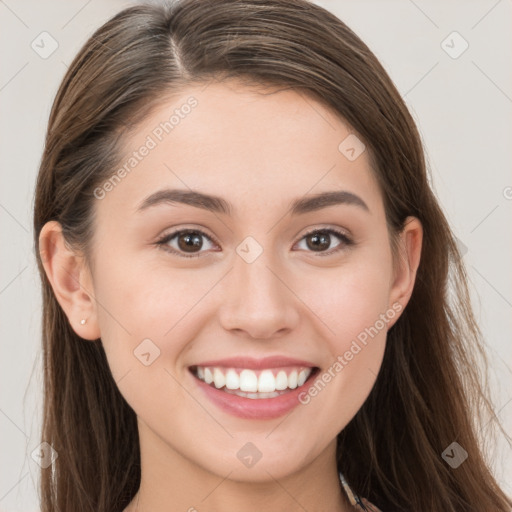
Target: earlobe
[410,244]
[70,280]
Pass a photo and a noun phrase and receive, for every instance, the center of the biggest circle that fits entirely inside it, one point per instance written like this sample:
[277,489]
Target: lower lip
[254,408]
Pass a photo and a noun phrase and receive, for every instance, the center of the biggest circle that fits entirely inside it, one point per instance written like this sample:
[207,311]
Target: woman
[245,277]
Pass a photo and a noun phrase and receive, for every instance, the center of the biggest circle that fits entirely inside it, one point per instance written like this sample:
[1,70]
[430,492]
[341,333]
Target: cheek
[141,320]
[136,300]
[351,302]
[144,310]
[350,299]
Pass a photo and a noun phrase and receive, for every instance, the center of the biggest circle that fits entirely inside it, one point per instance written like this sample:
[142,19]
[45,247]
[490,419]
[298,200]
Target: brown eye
[320,240]
[189,241]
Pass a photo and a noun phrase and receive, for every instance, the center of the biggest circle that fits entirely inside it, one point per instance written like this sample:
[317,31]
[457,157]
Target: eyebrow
[216,204]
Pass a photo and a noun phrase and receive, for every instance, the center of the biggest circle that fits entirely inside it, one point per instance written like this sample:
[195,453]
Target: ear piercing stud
[83,321]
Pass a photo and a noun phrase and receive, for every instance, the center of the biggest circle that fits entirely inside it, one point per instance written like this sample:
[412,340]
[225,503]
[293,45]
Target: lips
[257,364]
[254,388]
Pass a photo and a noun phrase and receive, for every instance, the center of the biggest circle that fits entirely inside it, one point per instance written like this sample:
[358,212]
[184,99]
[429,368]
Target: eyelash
[162,242]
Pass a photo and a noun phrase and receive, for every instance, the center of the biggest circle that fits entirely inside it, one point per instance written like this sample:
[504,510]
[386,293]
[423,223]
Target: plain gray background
[461,100]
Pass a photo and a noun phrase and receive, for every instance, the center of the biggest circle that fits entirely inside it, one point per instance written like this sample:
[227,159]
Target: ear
[70,279]
[409,253]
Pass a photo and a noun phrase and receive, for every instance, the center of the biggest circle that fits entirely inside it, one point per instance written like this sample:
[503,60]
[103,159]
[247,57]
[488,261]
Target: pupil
[319,241]
[190,241]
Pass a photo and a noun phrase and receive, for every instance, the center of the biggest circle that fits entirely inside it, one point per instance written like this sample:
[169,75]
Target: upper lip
[257,364]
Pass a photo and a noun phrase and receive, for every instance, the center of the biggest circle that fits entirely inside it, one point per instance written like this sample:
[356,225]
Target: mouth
[266,383]
[253,388]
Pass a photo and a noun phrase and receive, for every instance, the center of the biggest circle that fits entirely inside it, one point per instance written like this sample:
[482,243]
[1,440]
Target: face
[258,289]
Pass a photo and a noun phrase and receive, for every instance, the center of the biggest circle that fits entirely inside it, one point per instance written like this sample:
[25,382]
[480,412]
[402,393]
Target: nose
[257,300]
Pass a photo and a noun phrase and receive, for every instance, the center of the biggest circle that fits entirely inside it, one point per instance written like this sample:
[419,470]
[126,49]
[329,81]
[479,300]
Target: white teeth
[218,378]
[266,382]
[249,383]
[232,380]
[292,380]
[208,377]
[281,380]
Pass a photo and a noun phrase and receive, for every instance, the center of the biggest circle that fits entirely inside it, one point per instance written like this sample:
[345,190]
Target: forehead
[228,139]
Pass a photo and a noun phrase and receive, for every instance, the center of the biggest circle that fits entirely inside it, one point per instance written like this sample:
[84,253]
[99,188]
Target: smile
[254,388]
[266,383]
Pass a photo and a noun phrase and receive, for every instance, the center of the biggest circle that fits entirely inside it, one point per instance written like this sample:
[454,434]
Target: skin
[259,152]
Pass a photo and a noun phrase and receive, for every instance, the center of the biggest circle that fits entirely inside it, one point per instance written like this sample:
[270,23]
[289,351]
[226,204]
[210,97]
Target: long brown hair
[429,392]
